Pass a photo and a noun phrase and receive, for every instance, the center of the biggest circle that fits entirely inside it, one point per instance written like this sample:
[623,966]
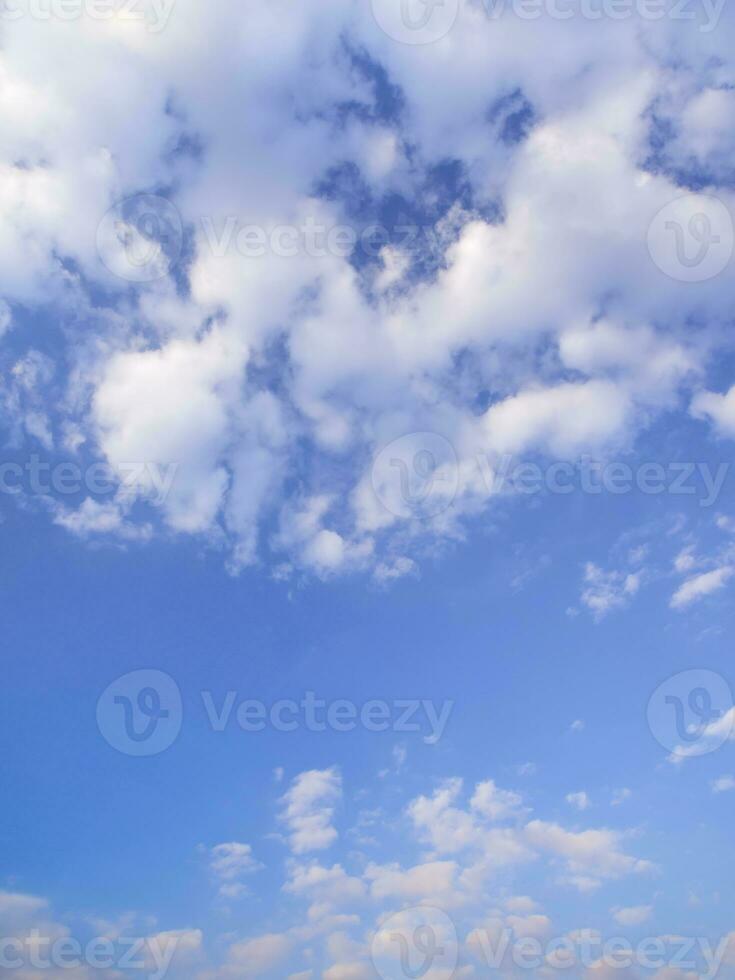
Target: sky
[367,403]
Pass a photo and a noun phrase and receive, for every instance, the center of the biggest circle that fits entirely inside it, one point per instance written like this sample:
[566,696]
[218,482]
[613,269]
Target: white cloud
[719,409]
[699,586]
[16,903]
[521,905]
[332,913]
[495,803]
[165,405]
[229,863]
[273,381]
[606,591]
[434,880]
[685,560]
[591,855]
[332,886]
[724,784]
[580,801]
[92,517]
[713,735]
[254,957]
[564,420]
[633,916]
[308,808]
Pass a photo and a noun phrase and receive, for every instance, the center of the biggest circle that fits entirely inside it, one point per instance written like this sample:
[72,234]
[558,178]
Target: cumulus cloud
[580,801]
[308,808]
[257,956]
[719,409]
[591,855]
[633,916]
[224,329]
[16,903]
[335,916]
[229,863]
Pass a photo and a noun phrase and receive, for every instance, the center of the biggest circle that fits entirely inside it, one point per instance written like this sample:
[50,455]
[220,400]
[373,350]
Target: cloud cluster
[455,871]
[527,316]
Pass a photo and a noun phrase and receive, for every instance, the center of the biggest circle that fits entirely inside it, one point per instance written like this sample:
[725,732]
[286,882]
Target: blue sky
[368,383]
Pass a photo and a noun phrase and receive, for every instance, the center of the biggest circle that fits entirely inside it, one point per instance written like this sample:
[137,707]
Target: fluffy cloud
[724,784]
[713,735]
[580,801]
[273,376]
[605,591]
[633,916]
[255,957]
[17,904]
[229,863]
[308,809]
[699,586]
[719,409]
[336,920]
[591,855]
